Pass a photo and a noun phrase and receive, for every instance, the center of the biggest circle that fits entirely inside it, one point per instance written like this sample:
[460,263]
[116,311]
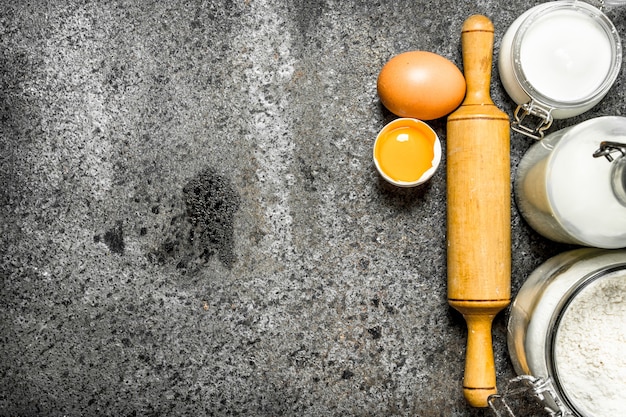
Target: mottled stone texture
[192,224]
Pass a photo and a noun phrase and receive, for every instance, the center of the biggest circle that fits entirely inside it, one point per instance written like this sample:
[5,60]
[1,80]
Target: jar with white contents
[571,186]
[567,335]
[558,60]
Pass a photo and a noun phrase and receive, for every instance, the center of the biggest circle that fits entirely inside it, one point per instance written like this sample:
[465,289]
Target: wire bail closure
[618,170]
[534,109]
[541,389]
[607,148]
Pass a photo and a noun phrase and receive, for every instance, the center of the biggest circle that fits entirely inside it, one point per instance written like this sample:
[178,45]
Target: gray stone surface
[192,224]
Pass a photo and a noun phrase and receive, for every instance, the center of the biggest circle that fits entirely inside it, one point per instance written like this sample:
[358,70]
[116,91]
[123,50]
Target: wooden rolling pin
[479,210]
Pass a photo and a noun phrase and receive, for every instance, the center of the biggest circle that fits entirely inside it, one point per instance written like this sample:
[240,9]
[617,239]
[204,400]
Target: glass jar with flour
[571,186]
[558,60]
[567,334]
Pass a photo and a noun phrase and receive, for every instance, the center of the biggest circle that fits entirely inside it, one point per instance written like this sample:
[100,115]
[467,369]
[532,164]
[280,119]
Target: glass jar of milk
[558,60]
[567,333]
[568,192]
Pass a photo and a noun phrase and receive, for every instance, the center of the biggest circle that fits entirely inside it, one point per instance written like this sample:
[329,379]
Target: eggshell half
[421,85]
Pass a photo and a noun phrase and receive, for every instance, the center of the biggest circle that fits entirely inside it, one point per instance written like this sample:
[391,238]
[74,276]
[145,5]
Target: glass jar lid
[566,54]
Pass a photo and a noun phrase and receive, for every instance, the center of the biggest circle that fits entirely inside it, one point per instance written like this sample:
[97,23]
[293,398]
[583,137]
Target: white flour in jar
[590,348]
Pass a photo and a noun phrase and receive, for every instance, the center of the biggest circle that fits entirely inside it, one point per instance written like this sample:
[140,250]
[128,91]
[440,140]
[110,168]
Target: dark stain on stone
[114,239]
[347,374]
[211,203]
[364,264]
[375,332]
[307,175]
[205,227]
[389,308]
[308,14]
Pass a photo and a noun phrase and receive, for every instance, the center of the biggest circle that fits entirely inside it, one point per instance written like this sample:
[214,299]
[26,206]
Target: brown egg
[421,85]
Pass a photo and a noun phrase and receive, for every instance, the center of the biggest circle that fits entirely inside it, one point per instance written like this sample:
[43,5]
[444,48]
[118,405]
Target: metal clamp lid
[607,148]
[618,172]
[538,111]
[541,389]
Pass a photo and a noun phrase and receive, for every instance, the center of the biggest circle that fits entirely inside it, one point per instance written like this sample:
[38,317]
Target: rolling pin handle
[477,44]
[479,379]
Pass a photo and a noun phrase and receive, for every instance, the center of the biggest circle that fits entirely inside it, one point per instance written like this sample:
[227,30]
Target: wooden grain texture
[479,210]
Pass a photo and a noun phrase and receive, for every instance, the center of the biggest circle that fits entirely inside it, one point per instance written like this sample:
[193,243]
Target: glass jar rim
[555,321]
[591,12]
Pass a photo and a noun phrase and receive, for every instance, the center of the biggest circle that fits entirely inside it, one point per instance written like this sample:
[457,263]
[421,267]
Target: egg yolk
[405,153]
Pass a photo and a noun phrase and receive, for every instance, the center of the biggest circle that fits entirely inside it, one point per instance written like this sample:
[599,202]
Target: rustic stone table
[192,223]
